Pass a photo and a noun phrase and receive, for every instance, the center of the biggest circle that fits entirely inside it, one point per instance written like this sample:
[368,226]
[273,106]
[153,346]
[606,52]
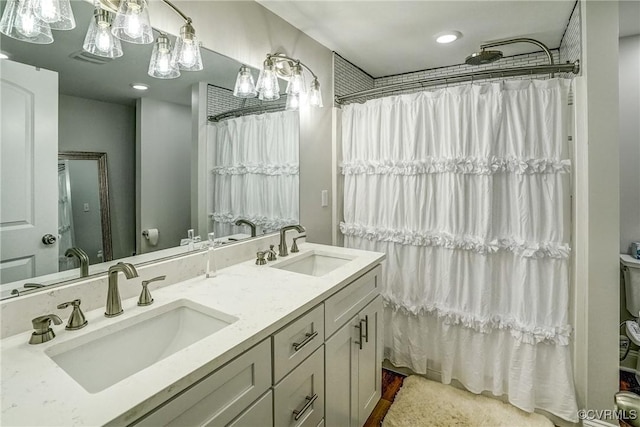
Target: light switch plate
[325,198]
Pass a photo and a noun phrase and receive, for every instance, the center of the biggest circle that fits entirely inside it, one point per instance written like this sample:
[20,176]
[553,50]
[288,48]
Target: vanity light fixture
[268,88]
[448,37]
[113,20]
[139,86]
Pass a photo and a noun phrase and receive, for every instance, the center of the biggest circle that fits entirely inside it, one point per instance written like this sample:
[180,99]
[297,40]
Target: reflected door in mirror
[29,148]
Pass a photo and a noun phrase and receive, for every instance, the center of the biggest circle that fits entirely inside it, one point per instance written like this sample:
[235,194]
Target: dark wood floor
[391,383]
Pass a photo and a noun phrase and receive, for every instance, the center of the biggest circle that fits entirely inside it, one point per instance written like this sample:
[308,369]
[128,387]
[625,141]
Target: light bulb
[164,61]
[104,39]
[27,23]
[48,10]
[188,55]
[134,26]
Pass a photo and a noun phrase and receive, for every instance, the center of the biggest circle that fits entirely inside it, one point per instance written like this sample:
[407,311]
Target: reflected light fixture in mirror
[245,86]
[268,88]
[99,39]
[161,65]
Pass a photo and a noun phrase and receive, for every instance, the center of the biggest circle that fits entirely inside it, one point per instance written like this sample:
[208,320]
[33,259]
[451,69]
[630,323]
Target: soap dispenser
[211,259]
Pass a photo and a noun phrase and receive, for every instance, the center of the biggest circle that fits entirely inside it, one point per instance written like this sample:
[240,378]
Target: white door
[28,169]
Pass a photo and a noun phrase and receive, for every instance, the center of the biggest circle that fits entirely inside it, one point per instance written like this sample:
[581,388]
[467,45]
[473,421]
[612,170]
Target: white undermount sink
[314,263]
[100,359]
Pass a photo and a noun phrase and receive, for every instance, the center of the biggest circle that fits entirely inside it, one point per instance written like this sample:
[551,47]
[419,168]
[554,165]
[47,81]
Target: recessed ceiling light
[448,36]
[139,86]
[4,56]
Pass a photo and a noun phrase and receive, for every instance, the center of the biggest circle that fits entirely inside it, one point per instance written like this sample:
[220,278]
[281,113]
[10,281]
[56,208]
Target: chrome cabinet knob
[49,239]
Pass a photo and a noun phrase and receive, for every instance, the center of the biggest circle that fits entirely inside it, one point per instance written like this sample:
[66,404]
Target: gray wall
[163,172]
[89,125]
[87,224]
[629,141]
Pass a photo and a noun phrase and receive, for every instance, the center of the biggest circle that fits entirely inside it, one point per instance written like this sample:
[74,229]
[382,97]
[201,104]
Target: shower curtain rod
[466,77]
[246,111]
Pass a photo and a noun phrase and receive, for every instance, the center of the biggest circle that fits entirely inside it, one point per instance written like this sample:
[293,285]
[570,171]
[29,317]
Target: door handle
[366,328]
[49,239]
[359,328]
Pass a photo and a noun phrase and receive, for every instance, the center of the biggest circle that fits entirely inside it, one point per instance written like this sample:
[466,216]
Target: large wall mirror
[148,140]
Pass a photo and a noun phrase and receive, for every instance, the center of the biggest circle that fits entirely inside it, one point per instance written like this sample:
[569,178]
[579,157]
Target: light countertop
[36,391]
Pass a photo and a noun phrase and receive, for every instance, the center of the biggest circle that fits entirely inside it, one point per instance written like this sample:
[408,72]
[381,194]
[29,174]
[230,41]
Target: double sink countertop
[37,391]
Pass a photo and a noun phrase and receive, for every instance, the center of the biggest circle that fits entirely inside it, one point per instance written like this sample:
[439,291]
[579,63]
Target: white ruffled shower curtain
[467,191]
[254,166]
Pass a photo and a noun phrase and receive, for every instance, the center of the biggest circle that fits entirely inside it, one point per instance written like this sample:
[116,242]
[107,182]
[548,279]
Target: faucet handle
[272,254]
[260,257]
[145,296]
[42,326]
[294,246]
[77,319]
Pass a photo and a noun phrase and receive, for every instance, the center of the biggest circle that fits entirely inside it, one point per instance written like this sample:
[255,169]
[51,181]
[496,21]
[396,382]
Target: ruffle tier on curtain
[467,191]
[254,172]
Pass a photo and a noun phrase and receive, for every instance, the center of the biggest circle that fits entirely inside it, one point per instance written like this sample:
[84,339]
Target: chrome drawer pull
[359,328]
[297,346]
[310,399]
[366,328]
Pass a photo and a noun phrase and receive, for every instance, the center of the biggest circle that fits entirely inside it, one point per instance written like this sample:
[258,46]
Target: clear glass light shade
[56,13]
[20,22]
[132,22]
[161,65]
[99,39]
[268,87]
[315,96]
[296,84]
[245,86]
[187,50]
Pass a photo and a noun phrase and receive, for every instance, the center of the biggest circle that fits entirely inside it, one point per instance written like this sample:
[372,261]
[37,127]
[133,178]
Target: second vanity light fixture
[131,24]
[268,88]
[113,21]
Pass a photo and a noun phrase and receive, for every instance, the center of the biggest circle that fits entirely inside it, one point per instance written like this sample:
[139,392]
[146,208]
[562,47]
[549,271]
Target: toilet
[631,274]
[630,268]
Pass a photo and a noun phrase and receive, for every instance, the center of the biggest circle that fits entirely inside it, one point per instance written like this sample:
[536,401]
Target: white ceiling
[393,37]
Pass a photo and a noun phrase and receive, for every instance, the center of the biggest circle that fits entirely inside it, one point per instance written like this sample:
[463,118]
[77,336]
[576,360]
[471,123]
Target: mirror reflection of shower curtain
[65,218]
[254,168]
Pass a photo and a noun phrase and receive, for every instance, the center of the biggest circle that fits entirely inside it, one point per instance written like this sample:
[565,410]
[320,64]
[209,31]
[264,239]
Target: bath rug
[421,402]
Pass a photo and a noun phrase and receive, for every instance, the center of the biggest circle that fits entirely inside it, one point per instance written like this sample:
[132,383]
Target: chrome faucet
[250,224]
[82,257]
[283,243]
[114,303]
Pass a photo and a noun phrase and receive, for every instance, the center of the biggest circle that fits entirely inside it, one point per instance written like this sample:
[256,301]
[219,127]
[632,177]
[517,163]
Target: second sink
[100,359]
[314,263]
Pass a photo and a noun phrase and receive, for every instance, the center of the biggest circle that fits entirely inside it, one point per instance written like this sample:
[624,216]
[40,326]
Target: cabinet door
[298,399]
[370,359]
[341,355]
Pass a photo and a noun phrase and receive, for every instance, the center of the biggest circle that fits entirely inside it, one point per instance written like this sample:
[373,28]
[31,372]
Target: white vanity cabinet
[354,353]
[323,368]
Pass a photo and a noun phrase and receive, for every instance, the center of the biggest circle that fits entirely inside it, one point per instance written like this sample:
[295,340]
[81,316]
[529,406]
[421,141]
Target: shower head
[483,57]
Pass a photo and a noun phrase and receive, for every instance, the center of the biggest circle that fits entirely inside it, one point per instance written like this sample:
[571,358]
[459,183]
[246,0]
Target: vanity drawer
[301,394]
[220,397]
[259,414]
[344,304]
[296,341]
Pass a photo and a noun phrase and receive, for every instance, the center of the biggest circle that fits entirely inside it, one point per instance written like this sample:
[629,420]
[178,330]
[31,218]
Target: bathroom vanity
[297,341]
